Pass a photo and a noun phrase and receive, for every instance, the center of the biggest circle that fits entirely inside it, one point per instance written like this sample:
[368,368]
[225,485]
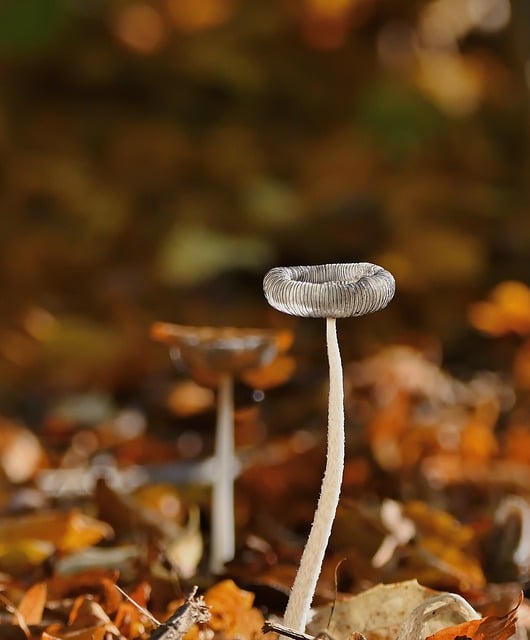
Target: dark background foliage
[158,156]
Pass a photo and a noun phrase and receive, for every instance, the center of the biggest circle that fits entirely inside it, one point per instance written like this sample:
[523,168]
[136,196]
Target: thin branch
[276,627]
[193,611]
[142,610]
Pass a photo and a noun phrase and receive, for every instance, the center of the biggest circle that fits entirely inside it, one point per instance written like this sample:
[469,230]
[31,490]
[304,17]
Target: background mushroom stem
[304,586]
[222,545]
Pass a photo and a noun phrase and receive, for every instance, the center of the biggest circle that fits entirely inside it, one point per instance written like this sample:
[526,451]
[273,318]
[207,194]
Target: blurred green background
[158,156]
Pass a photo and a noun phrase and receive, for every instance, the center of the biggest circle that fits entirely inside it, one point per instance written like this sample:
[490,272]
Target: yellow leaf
[67,531]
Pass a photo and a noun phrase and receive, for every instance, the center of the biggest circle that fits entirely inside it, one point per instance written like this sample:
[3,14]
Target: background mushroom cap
[221,350]
[329,290]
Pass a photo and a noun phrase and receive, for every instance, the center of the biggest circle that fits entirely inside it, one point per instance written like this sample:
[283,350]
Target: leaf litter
[432,526]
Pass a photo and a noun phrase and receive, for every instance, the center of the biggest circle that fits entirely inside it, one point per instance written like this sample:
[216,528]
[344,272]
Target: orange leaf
[130,619]
[93,581]
[90,633]
[67,531]
[87,621]
[32,604]
[86,612]
[488,628]
[232,613]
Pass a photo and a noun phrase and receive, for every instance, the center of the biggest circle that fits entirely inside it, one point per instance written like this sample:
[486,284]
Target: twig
[194,610]
[269,625]
[141,609]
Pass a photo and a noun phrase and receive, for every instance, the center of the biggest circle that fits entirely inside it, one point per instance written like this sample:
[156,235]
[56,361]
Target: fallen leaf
[67,531]
[442,564]
[31,606]
[232,613]
[441,611]
[87,612]
[488,628]
[90,633]
[377,613]
[157,512]
[97,582]
[438,523]
[129,617]
[87,621]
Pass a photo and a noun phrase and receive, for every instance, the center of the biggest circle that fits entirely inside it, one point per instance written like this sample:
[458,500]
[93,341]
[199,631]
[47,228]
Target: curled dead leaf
[438,612]
[377,613]
[488,628]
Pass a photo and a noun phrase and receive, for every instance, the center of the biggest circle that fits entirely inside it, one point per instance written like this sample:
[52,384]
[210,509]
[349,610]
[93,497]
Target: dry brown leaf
[90,633]
[124,512]
[377,613]
[439,612]
[488,628]
[31,607]
[87,621]
[87,612]
[94,581]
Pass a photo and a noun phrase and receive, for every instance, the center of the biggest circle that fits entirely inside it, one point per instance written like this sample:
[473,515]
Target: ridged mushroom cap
[329,290]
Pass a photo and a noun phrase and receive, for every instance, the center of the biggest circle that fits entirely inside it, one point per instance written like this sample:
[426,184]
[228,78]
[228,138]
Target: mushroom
[215,356]
[325,291]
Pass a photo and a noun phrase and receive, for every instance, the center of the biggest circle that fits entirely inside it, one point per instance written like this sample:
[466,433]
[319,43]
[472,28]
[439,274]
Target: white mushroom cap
[329,290]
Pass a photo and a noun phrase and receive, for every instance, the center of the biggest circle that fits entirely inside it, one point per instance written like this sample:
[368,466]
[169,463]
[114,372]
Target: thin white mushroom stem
[222,545]
[298,607]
